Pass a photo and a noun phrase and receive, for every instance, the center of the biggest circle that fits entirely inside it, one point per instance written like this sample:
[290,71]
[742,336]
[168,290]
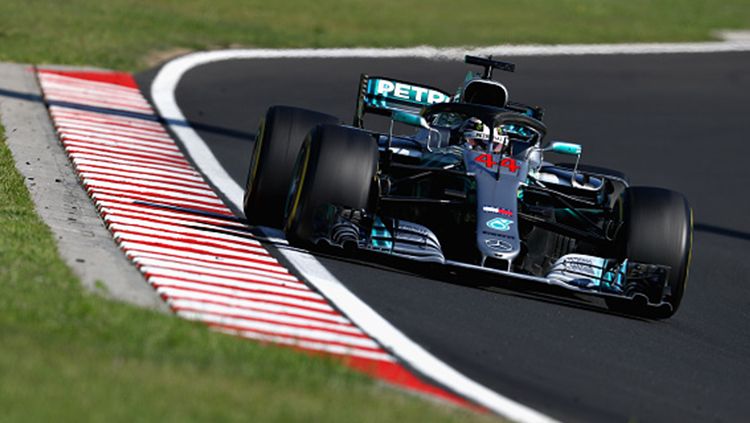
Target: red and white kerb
[198,256]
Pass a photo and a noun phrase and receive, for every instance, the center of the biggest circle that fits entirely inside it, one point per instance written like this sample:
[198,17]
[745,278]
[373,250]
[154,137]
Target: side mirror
[410,119]
[562,147]
[569,148]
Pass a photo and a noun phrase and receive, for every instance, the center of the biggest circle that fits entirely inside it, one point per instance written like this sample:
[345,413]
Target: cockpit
[522,130]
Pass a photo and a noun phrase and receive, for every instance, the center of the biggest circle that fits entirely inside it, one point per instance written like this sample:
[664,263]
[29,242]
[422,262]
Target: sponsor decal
[499,224]
[499,245]
[495,234]
[497,210]
[408,92]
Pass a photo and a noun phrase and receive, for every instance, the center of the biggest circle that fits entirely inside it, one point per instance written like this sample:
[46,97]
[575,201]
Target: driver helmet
[476,134]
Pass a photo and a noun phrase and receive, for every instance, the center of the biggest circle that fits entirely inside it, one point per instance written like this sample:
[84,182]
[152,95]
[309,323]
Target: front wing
[597,276]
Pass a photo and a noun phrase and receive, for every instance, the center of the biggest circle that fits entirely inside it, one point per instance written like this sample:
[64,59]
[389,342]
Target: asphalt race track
[677,121]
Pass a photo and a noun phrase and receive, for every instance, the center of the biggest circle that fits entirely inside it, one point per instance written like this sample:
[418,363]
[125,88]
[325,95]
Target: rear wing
[383,96]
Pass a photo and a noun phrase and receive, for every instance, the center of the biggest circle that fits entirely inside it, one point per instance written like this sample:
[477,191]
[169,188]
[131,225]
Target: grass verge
[118,34]
[68,355]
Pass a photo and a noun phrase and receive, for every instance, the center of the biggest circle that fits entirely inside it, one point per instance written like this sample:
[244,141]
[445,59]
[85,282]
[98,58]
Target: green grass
[119,33]
[69,355]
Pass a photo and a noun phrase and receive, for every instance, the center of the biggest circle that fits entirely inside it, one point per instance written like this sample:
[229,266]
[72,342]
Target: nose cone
[497,233]
[497,204]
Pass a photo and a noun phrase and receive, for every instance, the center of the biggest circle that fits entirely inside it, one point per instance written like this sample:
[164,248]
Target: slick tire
[336,165]
[280,136]
[658,229]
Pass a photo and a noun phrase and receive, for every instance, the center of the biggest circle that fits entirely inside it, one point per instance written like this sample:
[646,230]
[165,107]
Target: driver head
[476,134]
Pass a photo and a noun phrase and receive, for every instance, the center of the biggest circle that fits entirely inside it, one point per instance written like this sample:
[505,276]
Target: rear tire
[658,229]
[336,165]
[280,136]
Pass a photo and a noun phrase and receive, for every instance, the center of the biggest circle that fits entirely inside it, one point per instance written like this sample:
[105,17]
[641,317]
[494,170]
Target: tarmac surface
[678,121]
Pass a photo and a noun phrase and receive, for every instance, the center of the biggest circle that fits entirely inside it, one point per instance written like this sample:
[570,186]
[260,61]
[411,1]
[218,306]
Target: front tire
[658,229]
[336,165]
[279,139]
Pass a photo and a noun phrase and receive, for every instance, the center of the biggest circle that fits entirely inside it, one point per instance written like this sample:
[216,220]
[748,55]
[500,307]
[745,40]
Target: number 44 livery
[468,188]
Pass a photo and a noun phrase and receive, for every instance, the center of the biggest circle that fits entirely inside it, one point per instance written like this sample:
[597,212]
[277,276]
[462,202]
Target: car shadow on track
[718,230]
[199,126]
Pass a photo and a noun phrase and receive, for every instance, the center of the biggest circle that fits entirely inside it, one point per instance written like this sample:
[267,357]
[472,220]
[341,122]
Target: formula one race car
[469,189]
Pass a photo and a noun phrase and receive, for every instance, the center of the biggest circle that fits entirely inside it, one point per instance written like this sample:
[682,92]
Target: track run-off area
[673,120]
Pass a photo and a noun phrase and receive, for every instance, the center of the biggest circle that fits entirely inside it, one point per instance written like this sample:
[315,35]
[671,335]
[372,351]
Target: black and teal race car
[434,196]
